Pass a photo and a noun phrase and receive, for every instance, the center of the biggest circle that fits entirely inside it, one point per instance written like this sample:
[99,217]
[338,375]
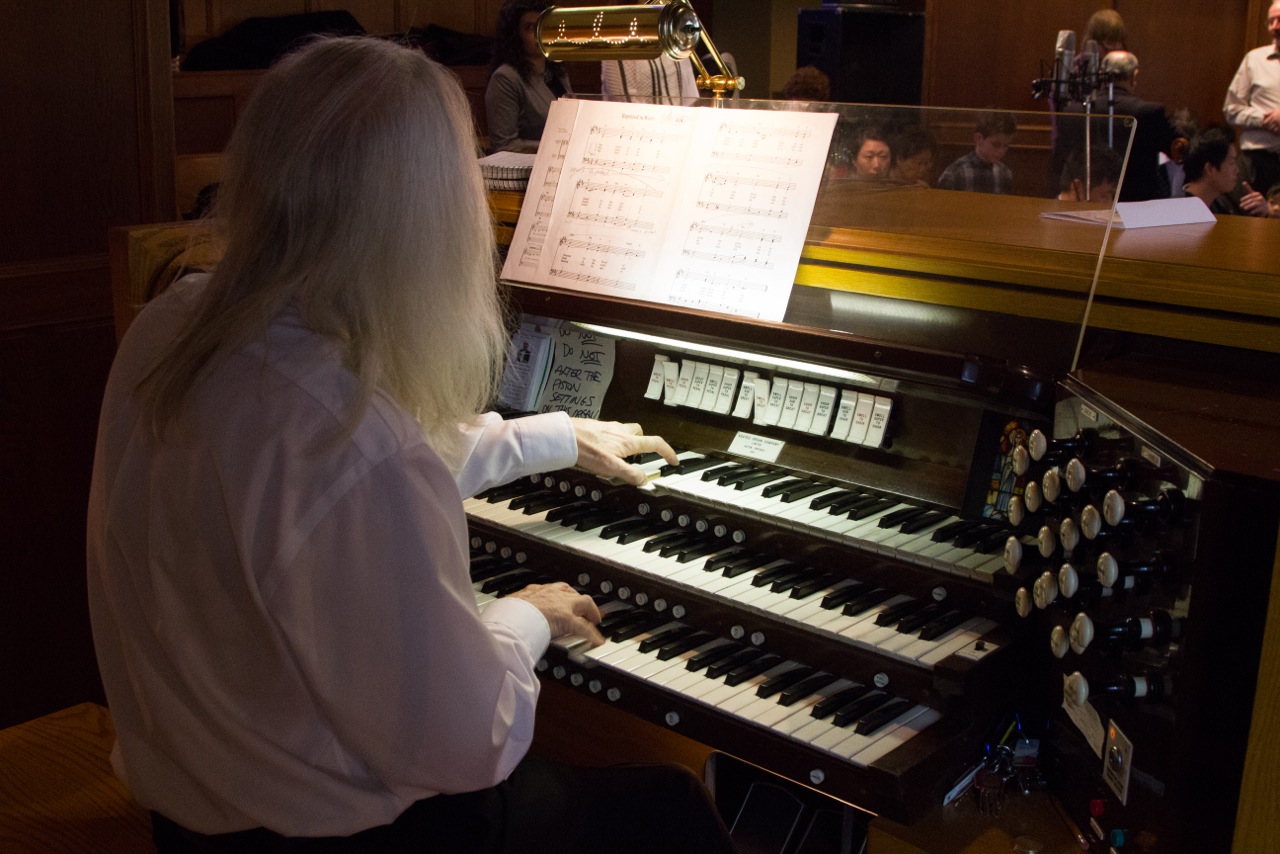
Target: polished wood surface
[58,794]
[1258,814]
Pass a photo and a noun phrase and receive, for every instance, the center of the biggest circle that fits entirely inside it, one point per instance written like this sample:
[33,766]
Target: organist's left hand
[602,446]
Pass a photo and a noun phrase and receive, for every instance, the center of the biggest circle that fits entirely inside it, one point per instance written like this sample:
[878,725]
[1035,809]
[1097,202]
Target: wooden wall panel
[88,142]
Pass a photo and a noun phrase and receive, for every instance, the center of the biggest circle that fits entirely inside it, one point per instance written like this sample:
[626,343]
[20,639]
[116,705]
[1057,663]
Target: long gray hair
[352,193]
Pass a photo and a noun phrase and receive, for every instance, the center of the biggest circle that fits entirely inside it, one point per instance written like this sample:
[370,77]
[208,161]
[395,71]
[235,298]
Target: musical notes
[705,208]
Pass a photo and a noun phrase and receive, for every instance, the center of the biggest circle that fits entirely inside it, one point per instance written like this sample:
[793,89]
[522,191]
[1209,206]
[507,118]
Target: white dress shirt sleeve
[497,451]
[1237,106]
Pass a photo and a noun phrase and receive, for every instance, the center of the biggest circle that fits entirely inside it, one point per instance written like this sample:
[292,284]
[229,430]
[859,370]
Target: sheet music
[694,206]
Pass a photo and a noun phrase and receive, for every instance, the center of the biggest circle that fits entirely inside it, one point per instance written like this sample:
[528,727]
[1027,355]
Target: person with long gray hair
[277,550]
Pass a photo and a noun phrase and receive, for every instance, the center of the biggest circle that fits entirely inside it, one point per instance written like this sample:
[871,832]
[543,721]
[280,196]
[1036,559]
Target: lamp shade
[601,33]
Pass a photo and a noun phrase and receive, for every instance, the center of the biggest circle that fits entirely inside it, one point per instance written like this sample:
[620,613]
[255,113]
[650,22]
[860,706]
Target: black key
[724,558]
[775,488]
[805,687]
[491,570]
[509,490]
[994,541]
[687,540]
[785,582]
[972,536]
[737,475]
[613,529]
[838,597]
[897,517]
[521,501]
[872,721]
[812,585]
[859,707]
[830,705]
[810,488]
[637,627]
[711,547]
[894,613]
[752,669]
[878,506]
[867,600]
[484,559]
[774,684]
[739,658]
[767,576]
[655,528]
[722,469]
[709,656]
[614,619]
[663,540]
[744,565]
[914,621]
[557,514]
[516,581]
[759,479]
[595,520]
[536,505]
[831,498]
[693,641]
[854,502]
[939,626]
[690,466]
[665,637]
[644,457]
[953,530]
[921,522]
[494,584]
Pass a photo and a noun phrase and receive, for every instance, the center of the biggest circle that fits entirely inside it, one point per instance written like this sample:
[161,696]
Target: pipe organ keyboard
[871,554]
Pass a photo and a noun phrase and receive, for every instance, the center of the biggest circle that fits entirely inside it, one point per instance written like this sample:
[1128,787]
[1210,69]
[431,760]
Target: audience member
[1252,106]
[1273,201]
[808,83]
[983,170]
[1152,134]
[277,551]
[871,154]
[523,83]
[1101,174]
[1171,174]
[914,152]
[1105,27]
[669,80]
[1213,175]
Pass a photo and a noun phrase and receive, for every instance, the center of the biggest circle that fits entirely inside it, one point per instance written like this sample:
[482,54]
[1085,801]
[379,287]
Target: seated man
[915,149]
[1152,134]
[983,170]
[1213,174]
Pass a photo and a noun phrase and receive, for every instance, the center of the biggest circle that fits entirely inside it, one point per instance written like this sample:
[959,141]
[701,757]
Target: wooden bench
[58,792]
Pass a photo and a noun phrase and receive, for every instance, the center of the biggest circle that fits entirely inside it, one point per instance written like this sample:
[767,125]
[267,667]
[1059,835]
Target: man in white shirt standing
[277,550]
[1252,106]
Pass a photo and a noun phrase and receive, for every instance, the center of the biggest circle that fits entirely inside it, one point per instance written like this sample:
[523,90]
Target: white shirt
[662,78]
[290,639]
[1254,92]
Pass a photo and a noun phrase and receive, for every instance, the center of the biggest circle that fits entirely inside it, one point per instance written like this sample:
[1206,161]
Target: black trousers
[542,808]
[1260,168]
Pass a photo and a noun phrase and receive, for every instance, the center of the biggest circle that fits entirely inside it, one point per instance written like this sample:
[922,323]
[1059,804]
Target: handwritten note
[581,370]
[706,208]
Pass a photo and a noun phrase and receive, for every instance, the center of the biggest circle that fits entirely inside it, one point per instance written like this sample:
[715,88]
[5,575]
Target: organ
[1007,529]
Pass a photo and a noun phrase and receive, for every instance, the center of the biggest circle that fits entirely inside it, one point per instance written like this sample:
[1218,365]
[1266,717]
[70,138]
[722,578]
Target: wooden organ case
[771,571]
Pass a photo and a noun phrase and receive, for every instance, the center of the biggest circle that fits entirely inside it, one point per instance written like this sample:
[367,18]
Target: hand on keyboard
[568,612]
[602,445]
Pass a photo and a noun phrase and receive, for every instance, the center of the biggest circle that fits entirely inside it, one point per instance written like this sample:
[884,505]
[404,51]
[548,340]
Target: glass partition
[971,232]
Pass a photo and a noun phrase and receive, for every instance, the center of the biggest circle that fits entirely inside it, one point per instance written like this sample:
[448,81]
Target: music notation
[589,279]
[644,192]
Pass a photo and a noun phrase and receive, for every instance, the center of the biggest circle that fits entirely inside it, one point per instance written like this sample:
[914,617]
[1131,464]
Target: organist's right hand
[568,612]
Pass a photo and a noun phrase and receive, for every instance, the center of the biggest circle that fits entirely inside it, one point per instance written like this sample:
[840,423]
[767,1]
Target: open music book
[692,206]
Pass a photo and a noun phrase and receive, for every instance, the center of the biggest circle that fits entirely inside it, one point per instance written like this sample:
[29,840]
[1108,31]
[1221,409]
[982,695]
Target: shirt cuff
[547,441]
[523,619]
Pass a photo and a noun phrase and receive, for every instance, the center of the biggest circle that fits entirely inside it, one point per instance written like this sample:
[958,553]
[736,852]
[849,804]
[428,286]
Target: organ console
[921,521]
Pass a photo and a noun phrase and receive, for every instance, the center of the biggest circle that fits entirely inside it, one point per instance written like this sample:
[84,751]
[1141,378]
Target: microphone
[1092,65]
[1064,56]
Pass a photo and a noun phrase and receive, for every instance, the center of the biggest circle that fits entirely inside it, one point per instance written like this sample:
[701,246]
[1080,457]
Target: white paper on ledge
[1183,211]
